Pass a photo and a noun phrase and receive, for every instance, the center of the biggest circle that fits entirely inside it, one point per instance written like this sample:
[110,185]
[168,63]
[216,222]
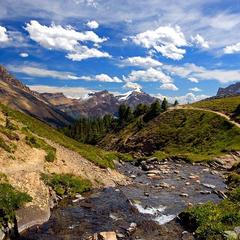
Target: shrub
[67,184]
[210,220]
[10,200]
[40,143]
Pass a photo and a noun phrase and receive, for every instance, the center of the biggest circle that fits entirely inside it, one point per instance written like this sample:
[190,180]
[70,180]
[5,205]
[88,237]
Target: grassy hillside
[98,156]
[227,105]
[196,135]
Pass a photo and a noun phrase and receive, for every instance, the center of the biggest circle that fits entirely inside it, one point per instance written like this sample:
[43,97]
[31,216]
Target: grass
[36,142]
[10,134]
[10,200]
[227,105]
[67,184]
[96,155]
[209,221]
[11,148]
[194,134]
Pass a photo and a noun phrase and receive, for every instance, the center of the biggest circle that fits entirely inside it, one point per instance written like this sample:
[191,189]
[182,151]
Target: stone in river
[183,195]
[153,172]
[146,194]
[194,177]
[209,185]
[133,176]
[205,192]
[107,236]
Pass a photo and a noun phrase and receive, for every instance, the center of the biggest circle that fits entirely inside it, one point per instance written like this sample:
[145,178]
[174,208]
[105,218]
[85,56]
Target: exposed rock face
[98,104]
[16,95]
[231,90]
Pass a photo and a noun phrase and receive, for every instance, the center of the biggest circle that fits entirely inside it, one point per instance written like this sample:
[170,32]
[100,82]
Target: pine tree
[164,104]
[175,103]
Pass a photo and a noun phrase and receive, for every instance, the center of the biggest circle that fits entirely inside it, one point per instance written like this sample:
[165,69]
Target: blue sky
[184,50]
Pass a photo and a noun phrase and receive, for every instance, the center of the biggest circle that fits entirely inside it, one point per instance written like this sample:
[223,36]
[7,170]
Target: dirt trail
[207,110]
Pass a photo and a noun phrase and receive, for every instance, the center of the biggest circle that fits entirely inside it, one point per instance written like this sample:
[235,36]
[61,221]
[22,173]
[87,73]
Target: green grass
[10,200]
[227,105]
[209,221]
[10,134]
[67,184]
[9,147]
[96,155]
[194,134]
[36,142]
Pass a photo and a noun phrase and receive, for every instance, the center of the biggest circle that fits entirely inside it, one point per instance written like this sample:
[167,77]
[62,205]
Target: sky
[182,50]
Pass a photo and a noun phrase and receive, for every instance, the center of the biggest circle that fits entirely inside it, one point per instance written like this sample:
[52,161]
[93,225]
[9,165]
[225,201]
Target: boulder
[107,236]
[209,185]
[230,235]
[183,195]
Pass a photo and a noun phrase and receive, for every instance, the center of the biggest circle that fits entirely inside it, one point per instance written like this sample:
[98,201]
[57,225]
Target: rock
[194,177]
[183,195]
[209,185]
[176,171]
[132,227]
[221,194]
[152,159]
[164,185]
[133,176]
[153,172]
[230,235]
[205,192]
[187,183]
[151,175]
[120,235]
[237,231]
[146,194]
[206,170]
[107,236]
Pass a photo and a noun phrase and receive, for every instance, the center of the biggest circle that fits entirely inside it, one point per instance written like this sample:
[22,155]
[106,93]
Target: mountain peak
[233,89]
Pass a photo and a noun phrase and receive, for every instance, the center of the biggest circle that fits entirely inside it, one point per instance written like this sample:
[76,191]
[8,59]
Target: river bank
[159,191]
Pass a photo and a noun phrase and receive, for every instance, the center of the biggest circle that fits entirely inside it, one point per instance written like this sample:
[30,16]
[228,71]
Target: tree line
[92,130]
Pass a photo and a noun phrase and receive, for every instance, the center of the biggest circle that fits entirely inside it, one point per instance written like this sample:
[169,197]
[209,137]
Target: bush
[40,143]
[210,220]
[67,184]
[10,200]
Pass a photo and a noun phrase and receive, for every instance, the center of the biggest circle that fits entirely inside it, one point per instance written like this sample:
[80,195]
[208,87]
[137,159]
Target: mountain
[18,96]
[231,90]
[97,104]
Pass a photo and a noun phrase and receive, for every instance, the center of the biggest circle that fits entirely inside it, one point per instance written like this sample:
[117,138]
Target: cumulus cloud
[199,41]
[169,86]
[23,55]
[72,92]
[234,48]
[3,35]
[195,89]
[145,62]
[165,40]
[188,98]
[105,78]
[149,75]
[132,85]
[66,39]
[194,72]
[92,24]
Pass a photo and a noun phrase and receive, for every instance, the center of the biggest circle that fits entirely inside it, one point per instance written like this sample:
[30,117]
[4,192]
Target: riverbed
[145,209]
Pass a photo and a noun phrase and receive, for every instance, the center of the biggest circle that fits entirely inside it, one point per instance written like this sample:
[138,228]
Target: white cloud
[149,75]
[72,92]
[192,79]
[41,72]
[169,86]
[199,41]
[193,72]
[66,39]
[144,62]
[23,55]
[92,24]
[165,40]
[85,53]
[195,89]
[131,85]
[58,37]
[105,78]
[235,48]
[3,35]
[188,98]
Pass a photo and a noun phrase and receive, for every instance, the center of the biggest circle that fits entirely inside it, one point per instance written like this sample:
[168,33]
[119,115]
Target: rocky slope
[23,165]
[97,104]
[18,96]
[231,90]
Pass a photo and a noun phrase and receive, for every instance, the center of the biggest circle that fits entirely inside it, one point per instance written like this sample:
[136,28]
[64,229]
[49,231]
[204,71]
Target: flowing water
[150,202]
